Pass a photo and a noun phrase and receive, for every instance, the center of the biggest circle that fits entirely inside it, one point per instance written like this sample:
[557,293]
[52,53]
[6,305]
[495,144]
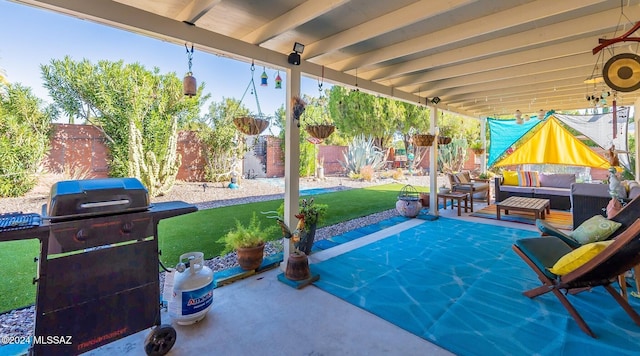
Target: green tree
[138,110]
[224,143]
[308,153]
[24,138]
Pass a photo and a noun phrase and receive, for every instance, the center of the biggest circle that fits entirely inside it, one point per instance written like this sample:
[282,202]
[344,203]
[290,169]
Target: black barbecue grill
[98,268]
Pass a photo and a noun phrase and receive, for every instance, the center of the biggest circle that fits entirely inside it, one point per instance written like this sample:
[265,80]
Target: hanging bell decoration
[278,81]
[518,117]
[189,84]
[541,114]
[263,78]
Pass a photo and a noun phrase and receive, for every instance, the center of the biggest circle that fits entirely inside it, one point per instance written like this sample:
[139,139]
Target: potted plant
[476,147]
[248,241]
[318,121]
[309,215]
[444,189]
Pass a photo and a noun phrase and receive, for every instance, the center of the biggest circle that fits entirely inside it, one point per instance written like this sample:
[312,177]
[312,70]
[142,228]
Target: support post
[636,119]
[291,160]
[483,135]
[433,163]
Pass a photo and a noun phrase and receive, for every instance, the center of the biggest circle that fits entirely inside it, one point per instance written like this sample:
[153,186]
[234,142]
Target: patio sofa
[589,199]
[553,186]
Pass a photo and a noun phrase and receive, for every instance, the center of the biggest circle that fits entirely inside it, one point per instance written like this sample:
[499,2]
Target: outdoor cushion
[557,180]
[516,189]
[563,192]
[578,257]
[634,189]
[528,179]
[510,178]
[597,228]
[461,178]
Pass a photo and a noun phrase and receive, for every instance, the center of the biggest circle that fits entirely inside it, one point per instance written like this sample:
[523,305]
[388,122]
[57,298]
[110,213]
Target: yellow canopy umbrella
[553,144]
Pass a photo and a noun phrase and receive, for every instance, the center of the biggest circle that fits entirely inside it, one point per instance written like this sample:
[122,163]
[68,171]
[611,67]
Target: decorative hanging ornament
[189,84]
[263,78]
[622,72]
[541,114]
[278,81]
[519,117]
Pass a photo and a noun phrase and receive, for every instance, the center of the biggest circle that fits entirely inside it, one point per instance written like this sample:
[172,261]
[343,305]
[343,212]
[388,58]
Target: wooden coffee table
[458,197]
[528,205]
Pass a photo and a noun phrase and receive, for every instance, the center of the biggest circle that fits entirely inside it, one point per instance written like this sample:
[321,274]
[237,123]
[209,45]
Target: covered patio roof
[480,57]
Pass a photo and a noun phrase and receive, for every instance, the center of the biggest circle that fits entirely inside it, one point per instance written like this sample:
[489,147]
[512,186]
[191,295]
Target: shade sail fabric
[553,144]
[599,129]
[504,133]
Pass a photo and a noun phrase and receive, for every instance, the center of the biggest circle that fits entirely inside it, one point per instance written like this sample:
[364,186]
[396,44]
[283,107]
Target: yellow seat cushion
[578,257]
[510,178]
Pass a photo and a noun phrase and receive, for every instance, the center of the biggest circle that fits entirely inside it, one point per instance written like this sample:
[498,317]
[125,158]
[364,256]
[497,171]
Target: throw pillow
[510,178]
[597,228]
[578,257]
[528,179]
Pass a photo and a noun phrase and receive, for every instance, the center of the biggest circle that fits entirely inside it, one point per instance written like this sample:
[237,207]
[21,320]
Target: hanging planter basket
[250,125]
[423,139]
[320,131]
[478,151]
[443,140]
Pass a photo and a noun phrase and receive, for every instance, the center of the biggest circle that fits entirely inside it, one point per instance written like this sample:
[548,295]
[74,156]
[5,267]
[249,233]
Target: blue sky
[32,36]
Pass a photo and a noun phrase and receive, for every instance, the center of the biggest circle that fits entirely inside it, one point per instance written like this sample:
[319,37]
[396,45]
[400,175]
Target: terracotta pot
[250,258]
[297,267]
[478,151]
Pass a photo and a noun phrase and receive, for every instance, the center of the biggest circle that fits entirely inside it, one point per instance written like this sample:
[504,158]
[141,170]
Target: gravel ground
[19,323]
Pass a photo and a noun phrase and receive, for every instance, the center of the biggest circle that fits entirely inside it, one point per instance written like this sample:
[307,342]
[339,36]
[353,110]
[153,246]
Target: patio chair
[618,257]
[463,183]
[626,216]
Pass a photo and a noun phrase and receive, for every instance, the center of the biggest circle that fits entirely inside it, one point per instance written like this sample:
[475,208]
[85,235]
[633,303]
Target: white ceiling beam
[516,16]
[591,25]
[585,63]
[195,9]
[554,51]
[300,15]
[413,13]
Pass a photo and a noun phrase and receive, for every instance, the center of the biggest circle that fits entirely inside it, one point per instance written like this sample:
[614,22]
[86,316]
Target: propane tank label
[197,300]
[167,290]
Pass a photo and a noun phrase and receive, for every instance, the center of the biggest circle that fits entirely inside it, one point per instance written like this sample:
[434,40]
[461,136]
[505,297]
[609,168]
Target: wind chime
[189,85]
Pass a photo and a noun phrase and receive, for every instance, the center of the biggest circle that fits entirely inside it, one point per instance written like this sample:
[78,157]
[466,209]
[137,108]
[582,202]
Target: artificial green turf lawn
[198,231]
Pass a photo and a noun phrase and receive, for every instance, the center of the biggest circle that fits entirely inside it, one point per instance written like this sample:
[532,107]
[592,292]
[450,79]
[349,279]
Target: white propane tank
[192,290]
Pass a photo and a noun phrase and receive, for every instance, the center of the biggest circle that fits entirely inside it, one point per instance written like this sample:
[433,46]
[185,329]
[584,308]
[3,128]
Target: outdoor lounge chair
[463,183]
[626,216]
[541,253]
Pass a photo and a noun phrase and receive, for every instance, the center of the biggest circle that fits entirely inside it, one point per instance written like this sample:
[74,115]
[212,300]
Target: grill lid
[91,197]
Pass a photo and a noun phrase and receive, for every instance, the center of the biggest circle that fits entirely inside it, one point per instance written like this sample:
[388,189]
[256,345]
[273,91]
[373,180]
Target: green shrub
[24,139]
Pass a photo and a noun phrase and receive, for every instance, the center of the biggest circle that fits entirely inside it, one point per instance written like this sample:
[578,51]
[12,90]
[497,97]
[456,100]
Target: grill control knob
[82,235]
[127,227]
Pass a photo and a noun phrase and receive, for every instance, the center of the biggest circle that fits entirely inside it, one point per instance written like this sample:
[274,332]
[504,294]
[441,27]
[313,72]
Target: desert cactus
[158,177]
[360,153]
[452,156]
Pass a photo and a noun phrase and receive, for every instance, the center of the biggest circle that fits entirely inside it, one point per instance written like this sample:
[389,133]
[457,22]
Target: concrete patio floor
[262,316]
